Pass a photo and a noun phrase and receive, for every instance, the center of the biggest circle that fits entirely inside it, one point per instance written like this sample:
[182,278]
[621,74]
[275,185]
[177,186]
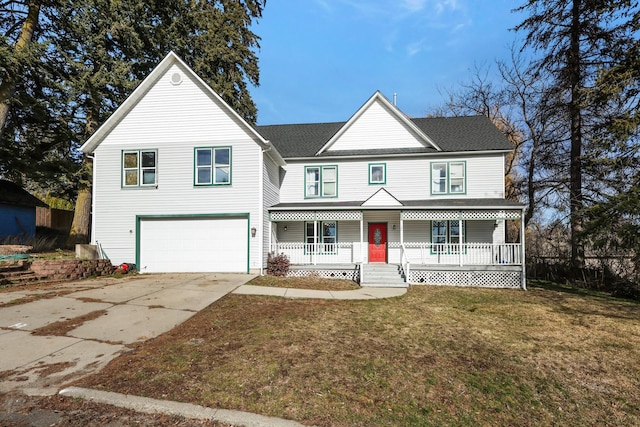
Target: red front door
[378,242]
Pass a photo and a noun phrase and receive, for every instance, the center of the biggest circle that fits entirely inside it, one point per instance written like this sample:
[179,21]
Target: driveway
[71,330]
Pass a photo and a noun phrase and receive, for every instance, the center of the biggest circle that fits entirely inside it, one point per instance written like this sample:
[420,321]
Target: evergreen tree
[86,56]
[581,40]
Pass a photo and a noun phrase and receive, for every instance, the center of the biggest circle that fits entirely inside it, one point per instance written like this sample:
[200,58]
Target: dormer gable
[382,198]
[378,124]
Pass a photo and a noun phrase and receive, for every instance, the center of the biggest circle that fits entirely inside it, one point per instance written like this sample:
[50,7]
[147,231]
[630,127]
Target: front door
[378,242]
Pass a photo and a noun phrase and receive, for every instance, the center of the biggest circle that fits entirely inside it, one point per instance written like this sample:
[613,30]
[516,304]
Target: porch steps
[382,275]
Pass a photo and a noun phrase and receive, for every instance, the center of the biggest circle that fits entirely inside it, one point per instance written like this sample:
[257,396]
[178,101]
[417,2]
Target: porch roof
[431,204]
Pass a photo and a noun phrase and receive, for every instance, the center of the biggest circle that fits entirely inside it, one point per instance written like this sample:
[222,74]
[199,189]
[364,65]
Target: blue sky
[320,60]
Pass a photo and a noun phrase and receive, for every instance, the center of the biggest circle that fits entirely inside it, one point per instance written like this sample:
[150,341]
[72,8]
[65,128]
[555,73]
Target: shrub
[277,265]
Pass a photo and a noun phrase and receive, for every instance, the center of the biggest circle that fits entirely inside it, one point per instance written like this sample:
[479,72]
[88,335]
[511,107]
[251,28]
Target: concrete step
[382,275]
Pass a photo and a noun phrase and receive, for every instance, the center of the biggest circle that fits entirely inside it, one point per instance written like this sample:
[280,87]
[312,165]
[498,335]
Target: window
[321,181]
[326,235]
[377,173]
[446,236]
[213,166]
[139,168]
[448,178]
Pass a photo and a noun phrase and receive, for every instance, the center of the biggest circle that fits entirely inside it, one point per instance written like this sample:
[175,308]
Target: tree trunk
[575,114]
[81,225]
[8,86]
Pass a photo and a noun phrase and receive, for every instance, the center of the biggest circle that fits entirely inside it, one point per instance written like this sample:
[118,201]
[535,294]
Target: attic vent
[176,78]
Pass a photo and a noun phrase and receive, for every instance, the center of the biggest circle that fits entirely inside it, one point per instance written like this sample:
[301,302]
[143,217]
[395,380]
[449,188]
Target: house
[17,211]
[183,184]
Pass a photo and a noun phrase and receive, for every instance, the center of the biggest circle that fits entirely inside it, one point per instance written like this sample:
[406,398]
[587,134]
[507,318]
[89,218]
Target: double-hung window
[446,236]
[321,181]
[325,235]
[139,168]
[377,173]
[213,166]
[448,177]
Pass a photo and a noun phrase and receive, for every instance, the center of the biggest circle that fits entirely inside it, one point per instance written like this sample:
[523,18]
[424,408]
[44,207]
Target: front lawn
[437,356]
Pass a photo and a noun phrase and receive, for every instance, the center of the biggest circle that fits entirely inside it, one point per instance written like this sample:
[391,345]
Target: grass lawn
[436,356]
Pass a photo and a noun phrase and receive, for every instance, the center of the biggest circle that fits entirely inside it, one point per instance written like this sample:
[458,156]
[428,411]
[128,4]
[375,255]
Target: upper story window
[213,166]
[139,168]
[448,177]
[321,181]
[377,173]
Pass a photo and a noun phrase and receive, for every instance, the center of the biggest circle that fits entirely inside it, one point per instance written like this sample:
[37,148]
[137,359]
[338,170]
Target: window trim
[139,169]
[321,182]
[462,235]
[212,175]
[320,237]
[447,178]
[384,174]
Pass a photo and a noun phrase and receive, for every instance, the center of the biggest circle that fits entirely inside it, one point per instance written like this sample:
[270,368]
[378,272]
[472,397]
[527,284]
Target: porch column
[401,230]
[315,242]
[270,239]
[522,251]
[362,239]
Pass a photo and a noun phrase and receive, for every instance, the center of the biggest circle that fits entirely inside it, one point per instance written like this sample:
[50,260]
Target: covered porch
[448,242]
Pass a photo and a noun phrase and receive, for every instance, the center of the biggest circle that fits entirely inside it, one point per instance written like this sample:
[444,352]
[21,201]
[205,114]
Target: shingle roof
[13,194]
[451,134]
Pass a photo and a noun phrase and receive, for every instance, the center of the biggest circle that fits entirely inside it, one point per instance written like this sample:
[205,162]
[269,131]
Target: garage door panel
[200,244]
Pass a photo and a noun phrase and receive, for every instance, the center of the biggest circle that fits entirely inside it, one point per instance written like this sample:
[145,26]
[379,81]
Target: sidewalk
[356,294]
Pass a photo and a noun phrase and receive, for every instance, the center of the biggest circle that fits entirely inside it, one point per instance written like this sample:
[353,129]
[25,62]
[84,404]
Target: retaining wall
[73,269]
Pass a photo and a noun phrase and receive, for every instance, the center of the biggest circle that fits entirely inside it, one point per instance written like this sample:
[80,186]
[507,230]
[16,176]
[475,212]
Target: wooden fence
[56,219]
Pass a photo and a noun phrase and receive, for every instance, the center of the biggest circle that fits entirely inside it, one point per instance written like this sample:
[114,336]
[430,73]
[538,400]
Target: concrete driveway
[120,312]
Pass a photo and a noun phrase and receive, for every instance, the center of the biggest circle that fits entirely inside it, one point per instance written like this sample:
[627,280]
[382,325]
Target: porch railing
[406,264]
[409,253]
[464,254]
[316,253]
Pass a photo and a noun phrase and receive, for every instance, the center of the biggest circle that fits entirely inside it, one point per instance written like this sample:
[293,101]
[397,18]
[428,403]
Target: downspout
[93,198]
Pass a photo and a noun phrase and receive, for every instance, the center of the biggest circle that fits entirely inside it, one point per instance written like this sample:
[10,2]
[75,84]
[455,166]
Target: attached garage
[191,244]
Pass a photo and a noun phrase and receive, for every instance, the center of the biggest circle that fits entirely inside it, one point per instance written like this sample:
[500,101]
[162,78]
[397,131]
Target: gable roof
[92,143]
[382,198]
[450,134]
[378,99]
[13,194]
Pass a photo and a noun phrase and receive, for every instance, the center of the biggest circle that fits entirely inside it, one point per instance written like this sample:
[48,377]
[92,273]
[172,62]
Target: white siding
[377,128]
[271,185]
[408,178]
[173,119]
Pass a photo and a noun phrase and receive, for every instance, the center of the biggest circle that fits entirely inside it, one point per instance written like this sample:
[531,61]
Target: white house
[183,184]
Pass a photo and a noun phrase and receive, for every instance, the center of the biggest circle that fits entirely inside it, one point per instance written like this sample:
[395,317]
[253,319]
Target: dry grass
[437,356]
[306,283]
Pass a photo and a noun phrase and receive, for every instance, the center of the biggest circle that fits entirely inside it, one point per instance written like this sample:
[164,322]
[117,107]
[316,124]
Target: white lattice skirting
[329,274]
[481,279]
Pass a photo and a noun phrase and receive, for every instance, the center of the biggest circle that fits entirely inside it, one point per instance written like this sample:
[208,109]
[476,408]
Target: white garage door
[193,244]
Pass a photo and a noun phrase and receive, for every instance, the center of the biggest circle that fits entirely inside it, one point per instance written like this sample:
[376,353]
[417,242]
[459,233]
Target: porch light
[393,226]
[253,232]
[285,228]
